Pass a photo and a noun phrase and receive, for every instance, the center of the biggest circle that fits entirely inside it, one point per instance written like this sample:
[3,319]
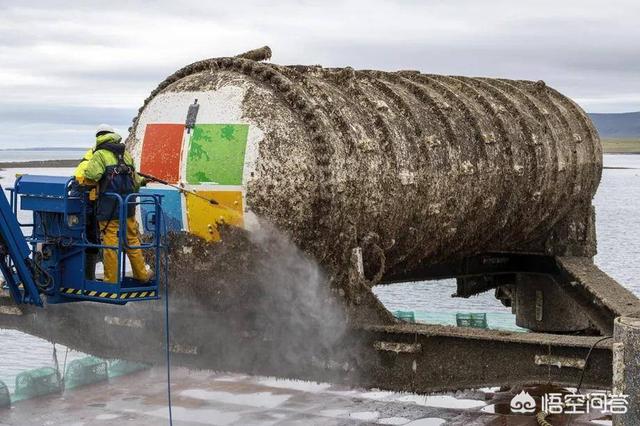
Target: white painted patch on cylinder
[223,105]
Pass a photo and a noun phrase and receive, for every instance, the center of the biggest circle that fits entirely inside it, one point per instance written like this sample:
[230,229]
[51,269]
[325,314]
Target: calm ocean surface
[618,226]
[7,155]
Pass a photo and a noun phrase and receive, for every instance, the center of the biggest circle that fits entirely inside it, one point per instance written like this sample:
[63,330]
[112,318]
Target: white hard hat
[105,128]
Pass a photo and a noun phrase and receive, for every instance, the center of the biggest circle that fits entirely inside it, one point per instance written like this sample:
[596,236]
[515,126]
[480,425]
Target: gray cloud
[68,65]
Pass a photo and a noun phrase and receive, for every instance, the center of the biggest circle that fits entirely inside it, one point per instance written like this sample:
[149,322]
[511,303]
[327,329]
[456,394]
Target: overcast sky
[66,66]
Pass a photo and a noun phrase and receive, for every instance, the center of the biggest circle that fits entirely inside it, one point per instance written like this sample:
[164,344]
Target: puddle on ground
[334,412]
[442,401]
[207,416]
[107,416]
[258,400]
[427,421]
[394,421]
[367,416]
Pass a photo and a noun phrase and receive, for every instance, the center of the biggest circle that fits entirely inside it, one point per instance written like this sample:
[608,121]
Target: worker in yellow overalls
[111,166]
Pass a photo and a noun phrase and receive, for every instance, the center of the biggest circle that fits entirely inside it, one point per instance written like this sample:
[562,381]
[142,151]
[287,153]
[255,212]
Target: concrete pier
[626,368]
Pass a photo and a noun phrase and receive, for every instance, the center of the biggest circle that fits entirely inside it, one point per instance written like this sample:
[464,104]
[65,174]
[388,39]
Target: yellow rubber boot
[109,235]
[135,255]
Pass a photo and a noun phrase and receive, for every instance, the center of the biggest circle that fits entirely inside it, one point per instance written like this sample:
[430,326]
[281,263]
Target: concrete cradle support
[626,368]
[403,357]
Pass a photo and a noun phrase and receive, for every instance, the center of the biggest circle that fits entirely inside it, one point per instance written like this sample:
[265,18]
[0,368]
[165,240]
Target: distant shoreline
[621,146]
[620,153]
[37,149]
[38,164]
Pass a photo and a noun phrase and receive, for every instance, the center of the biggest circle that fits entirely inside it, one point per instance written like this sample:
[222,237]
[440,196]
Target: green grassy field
[621,146]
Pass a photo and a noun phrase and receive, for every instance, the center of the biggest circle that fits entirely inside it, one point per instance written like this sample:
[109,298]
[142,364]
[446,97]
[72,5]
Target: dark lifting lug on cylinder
[192,114]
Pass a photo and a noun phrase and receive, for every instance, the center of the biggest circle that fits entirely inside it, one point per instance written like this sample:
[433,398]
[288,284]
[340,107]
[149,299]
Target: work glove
[79,187]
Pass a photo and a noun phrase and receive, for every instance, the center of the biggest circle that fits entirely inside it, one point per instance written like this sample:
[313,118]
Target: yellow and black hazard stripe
[108,295]
[71,291]
[137,295]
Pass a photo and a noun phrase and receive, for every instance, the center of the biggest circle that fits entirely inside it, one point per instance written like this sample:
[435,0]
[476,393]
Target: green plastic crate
[38,382]
[475,320]
[121,367]
[5,397]
[407,316]
[85,371]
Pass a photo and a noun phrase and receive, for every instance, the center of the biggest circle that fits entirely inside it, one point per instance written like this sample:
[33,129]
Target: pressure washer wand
[186,191]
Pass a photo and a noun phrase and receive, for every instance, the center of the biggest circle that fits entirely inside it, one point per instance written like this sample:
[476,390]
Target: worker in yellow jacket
[91,229]
[111,166]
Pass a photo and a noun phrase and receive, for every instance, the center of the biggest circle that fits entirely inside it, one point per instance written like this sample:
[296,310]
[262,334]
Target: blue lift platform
[47,261]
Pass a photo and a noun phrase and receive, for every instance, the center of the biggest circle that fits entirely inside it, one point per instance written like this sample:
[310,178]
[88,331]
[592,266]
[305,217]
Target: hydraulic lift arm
[15,261]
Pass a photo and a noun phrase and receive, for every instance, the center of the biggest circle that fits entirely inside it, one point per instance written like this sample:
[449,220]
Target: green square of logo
[216,154]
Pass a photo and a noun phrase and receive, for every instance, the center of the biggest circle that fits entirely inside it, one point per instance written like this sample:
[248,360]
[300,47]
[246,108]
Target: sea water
[39,154]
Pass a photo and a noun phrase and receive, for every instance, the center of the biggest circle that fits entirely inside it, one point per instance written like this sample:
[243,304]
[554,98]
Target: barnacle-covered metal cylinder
[425,168]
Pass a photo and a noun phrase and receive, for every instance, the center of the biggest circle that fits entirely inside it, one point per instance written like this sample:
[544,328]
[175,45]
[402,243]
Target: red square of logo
[161,150]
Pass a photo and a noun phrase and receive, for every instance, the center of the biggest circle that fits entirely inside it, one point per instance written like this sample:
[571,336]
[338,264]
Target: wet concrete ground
[208,398]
